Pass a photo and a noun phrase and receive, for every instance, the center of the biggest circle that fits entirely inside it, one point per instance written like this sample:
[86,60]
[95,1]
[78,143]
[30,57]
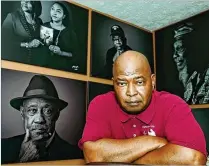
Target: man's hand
[55,49]
[28,151]
[34,43]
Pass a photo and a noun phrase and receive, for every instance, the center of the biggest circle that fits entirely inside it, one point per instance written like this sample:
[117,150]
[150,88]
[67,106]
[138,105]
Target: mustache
[35,127]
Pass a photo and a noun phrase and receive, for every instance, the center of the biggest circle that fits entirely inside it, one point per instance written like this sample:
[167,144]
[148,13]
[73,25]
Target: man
[40,108]
[194,79]
[120,46]
[137,124]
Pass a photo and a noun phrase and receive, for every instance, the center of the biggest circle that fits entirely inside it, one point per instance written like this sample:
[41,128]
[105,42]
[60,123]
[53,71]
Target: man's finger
[41,43]
[27,136]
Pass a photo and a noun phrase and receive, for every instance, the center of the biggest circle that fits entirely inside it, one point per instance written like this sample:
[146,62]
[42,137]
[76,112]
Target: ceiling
[148,14]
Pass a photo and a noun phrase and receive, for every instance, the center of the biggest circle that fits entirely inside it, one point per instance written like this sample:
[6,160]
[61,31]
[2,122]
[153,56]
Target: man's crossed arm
[141,150]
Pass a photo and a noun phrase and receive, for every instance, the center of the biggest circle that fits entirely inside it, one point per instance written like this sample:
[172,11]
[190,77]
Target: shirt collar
[145,116]
[50,140]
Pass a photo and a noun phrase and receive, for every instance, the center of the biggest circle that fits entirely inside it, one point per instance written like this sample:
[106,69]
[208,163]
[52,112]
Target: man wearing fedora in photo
[40,108]
[119,46]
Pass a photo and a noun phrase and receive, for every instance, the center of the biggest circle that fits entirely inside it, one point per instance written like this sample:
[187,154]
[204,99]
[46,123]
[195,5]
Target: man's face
[117,41]
[26,6]
[179,54]
[39,116]
[133,86]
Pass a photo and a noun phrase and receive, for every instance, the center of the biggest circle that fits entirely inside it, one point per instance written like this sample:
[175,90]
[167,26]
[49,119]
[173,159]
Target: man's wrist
[160,142]
[60,53]
[24,44]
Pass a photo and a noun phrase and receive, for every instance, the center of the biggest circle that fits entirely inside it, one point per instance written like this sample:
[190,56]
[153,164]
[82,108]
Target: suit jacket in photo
[58,149]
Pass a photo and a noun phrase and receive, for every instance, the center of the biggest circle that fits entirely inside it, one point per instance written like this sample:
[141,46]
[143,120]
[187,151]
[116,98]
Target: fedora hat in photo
[39,87]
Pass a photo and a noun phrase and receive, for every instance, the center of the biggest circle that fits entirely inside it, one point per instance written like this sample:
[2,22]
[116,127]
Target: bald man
[137,124]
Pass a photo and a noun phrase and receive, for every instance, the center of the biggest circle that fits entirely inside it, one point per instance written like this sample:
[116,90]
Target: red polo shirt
[167,116]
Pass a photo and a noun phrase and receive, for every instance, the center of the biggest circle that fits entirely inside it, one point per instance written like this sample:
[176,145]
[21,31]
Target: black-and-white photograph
[95,89]
[202,117]
[51,34]
[42,117]
[110,38]
[182,59]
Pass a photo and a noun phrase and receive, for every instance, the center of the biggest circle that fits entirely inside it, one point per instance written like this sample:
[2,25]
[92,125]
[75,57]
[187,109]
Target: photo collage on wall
[42,117]
[182,59]
[45,33]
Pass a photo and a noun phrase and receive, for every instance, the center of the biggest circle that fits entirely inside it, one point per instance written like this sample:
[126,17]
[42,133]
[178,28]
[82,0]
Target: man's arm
[173,154]
[120,150]
[187,143]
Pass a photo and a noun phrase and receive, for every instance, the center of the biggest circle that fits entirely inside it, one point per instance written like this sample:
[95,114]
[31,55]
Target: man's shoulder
[12,144]
[104,98]
[13,138]
[61,141]
[111,50]
[61,146]
[168,98]
[103,103]
[167,103]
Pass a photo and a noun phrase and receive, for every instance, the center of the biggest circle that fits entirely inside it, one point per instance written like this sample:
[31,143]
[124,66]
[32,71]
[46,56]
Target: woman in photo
[64,41]
[20,33]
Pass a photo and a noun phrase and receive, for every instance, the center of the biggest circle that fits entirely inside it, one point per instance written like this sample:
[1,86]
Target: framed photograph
[202,117]
[51,34]
[182,59]
[46,34]
[95,89]
[42,117]
[110,38]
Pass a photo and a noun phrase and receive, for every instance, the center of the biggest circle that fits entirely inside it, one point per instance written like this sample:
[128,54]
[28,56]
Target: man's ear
[22,111]
[153,79]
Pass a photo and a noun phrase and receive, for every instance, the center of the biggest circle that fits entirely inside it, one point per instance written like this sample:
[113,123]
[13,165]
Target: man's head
[179,54]
[40,107]
[118,37]
[180,35]
[39,116]
[133,81]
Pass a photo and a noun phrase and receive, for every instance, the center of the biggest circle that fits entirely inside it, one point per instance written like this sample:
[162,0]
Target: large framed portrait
[51,34]
[202,117]
[182,59]
[42,117]
[110,38]
[95,89]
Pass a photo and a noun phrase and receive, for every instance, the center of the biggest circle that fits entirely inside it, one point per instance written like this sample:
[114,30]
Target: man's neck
[50,139]
[183,75]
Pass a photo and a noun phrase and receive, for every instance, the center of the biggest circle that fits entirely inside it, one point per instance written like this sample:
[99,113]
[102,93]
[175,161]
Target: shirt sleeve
[97,125]
[182,129]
